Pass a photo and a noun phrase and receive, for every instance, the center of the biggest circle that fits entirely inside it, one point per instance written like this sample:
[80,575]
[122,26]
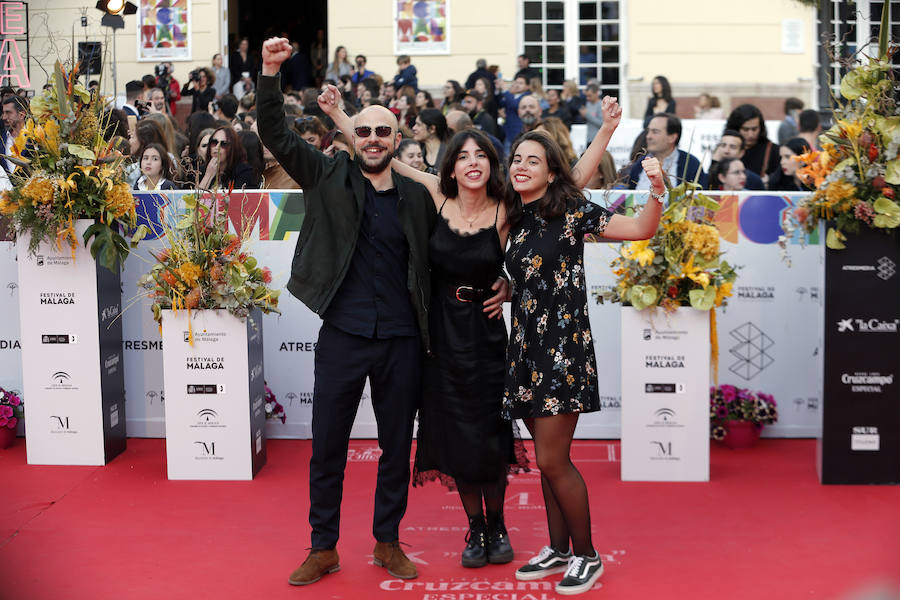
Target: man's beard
[529,120]
[378,168]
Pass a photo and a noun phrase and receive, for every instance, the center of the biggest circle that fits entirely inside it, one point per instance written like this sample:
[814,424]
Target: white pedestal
[72,371]
[665,395]
[215,396]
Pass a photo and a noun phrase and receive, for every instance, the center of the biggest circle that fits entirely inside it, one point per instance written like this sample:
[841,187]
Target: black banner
[257,390]
[112,363]
[860,439]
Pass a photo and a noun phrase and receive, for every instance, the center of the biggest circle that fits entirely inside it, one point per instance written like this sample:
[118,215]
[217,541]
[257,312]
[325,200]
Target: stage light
[116,7]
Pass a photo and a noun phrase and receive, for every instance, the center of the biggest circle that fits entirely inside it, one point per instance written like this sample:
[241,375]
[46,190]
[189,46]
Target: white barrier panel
[215,412]
[71,360]
[769,334]
[665,395]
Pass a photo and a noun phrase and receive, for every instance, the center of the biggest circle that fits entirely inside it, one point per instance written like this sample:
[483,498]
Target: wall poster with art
[422,27]
[164,30]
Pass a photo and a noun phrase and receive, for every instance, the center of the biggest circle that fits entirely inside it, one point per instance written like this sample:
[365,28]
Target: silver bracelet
[658,197]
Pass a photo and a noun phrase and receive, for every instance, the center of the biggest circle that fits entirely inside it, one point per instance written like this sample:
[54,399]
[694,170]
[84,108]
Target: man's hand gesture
[274,52]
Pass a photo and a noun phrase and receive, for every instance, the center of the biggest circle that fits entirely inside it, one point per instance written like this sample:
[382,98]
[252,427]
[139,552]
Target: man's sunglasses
[381,131]
[214,143]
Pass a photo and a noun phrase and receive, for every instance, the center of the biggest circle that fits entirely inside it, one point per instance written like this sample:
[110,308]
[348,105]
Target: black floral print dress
[550,363]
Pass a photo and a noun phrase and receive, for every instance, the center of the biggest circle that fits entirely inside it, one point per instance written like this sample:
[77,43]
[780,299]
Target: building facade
[762,52]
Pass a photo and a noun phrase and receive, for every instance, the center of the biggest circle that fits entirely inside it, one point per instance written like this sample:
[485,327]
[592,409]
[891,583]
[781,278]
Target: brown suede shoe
[390,556]
[319,562]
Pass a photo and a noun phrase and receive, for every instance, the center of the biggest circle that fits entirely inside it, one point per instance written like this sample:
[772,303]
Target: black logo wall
[860,439]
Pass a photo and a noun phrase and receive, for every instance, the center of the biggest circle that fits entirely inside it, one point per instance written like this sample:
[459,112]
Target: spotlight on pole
[116,7]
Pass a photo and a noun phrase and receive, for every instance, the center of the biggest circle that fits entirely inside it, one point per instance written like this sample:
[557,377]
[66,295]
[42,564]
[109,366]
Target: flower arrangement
[857,172]
[67,171]
[11,409]
[681,265]
[205,266]
[274,409]
[729,403]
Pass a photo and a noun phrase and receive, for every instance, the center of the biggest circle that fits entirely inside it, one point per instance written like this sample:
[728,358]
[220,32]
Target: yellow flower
[119,201]
[7,205]
[639,251]
[189,273]
[850,129]
[39,189]
[703,239]
[536,262]
[51,136]
[839,190]
[695,274]
[723,291]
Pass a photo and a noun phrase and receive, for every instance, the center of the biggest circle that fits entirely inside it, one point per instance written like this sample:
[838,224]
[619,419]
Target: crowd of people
[224,98]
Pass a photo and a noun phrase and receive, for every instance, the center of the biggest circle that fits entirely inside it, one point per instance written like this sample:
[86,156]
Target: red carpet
[762,528]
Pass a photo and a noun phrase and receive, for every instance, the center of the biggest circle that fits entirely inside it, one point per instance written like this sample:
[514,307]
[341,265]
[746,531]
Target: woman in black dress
[660,100]
[462,438]
[551,369]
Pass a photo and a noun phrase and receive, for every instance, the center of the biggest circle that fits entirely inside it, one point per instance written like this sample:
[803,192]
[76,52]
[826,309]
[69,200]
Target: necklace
[471,221]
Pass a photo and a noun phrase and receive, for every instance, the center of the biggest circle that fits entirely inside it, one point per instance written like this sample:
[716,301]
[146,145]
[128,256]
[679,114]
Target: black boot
[475,554]
[499,550]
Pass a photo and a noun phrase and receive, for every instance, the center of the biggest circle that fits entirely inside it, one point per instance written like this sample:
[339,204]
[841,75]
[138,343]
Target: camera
[214,105]
[142,107]
[161,70]
[194,75]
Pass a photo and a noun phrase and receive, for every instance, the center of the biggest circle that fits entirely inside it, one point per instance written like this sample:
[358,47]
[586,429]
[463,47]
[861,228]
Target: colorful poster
[422,27]
[163,30]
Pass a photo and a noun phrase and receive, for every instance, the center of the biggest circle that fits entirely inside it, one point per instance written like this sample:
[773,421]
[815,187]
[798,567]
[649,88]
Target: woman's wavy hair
[236,152]
[562,193]
[495,187]
[744,113]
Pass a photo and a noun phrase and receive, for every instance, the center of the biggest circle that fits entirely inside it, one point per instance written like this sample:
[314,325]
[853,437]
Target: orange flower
[169,278]
[192,300]
[120,202]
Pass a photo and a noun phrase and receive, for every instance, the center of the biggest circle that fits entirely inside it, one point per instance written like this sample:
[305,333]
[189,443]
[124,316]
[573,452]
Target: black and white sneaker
[547,562]
[582,574]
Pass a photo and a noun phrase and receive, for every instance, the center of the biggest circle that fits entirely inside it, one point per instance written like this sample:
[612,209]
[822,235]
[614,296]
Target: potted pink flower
[11,410]
[738,415]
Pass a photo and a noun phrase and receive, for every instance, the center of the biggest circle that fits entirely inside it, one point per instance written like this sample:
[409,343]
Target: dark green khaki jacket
[334,190]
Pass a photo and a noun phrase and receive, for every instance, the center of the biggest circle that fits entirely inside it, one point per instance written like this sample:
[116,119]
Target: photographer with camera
[360,72]
[168,84]
[200,86]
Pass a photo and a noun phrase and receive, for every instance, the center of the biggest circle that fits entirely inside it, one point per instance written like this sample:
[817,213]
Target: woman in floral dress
[551,370]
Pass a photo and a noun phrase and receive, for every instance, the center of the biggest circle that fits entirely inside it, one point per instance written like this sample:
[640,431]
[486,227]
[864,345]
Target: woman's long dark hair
[432,117]
[562,193]
[495,187]
[744,113]
[236,152]
[253,149]
[666,92]
[457,90]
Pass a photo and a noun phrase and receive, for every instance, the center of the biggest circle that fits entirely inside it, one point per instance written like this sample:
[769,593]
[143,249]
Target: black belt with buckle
[467,293]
